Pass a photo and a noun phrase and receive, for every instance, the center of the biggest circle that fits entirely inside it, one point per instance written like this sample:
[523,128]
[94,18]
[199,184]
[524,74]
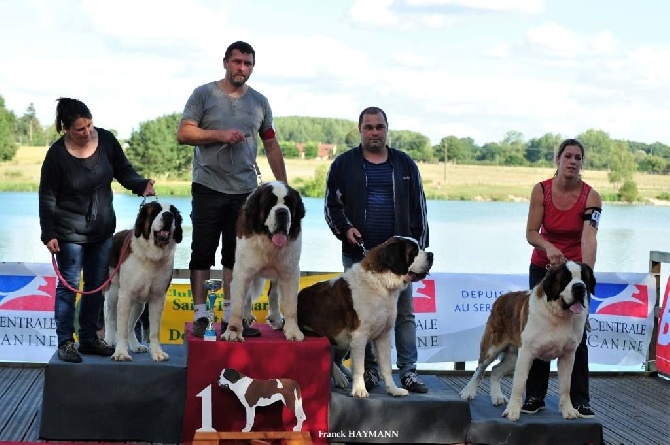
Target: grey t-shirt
[222,167]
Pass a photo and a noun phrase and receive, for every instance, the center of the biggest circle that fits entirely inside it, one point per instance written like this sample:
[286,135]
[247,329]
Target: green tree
[513,149]
[542,150]
[290,149]
[311,150]
[154,149]
[416,145]
[597,145]
[458,150]
[7,136]
[622,164]
[29,130]
[315,187]
[351,139]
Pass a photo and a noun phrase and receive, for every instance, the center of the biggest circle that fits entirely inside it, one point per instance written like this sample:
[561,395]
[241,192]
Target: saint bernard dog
[253,393]
[545,323]
[143,278]
[269,243]
[361,305]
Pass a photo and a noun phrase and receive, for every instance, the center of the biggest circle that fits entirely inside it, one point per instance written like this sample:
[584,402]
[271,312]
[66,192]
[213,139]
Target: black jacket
[76,202]
[346,196]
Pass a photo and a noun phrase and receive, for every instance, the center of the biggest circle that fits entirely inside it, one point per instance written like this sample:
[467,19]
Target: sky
[468,68]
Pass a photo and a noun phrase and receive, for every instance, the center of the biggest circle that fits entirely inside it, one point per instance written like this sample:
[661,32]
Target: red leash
[122,258]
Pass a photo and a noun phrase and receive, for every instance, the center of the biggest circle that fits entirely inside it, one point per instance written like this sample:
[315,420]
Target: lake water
[466,237]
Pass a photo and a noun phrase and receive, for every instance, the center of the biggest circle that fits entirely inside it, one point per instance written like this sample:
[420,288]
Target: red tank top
[562,228]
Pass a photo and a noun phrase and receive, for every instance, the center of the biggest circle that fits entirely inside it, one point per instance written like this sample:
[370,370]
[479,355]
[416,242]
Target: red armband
[267,134]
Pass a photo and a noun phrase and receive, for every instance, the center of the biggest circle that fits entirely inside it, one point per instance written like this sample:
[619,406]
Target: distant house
[324,151]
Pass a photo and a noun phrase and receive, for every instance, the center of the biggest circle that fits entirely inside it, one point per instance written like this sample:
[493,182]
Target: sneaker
[95,347]
[586,412]
[371,378]
[68,353]
[412,383]
[532,405]
[199,327]
[247,331]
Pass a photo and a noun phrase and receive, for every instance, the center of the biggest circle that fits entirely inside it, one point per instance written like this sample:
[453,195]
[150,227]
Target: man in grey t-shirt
[221,119]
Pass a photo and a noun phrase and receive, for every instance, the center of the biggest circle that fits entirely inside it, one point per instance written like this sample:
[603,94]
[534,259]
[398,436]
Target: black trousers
[538,377]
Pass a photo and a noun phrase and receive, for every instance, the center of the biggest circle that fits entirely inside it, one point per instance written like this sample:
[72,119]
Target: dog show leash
[122,258]
[68,286]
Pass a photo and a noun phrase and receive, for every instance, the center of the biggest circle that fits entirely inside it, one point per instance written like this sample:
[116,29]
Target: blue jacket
[346,198]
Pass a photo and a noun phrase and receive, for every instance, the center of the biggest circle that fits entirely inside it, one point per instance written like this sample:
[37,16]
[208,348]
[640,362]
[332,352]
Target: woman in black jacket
[77,219]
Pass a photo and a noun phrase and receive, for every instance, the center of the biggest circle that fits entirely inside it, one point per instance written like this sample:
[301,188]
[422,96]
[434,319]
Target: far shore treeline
[154,150]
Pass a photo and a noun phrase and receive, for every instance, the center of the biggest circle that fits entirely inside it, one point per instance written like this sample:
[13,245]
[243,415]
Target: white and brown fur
[143,278]
[536,324]
[253,393]
[361,305]
[273,209]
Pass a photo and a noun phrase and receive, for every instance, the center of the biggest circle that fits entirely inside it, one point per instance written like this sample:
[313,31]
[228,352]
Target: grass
[454,182]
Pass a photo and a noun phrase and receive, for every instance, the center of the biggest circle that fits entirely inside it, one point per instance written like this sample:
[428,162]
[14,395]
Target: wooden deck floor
[634,409]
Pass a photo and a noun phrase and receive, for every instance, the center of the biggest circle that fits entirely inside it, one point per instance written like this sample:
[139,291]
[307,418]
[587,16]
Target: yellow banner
[179,307]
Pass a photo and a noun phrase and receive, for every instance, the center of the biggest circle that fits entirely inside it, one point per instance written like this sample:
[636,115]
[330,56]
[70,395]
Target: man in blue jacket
[374,192]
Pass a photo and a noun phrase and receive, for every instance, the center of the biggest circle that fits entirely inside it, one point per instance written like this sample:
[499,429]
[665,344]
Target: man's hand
[232,136]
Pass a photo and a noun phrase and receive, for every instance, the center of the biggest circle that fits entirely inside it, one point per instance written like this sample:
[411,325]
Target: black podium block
[103,400]
[547,427]
[437,417]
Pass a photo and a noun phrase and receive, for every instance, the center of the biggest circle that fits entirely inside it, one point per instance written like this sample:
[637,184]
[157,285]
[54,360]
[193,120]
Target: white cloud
[374,12]
[523,6]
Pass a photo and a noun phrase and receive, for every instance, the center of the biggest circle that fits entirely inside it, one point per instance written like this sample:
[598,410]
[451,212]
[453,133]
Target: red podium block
[210,408]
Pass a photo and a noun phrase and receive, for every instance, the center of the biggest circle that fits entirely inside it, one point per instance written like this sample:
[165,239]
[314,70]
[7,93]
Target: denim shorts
[213,215]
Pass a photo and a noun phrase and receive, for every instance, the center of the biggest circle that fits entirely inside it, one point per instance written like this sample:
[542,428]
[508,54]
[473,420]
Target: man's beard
[376,146]
[237,83]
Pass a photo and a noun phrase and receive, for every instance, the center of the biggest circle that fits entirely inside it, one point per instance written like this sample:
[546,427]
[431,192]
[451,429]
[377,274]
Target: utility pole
[445,161]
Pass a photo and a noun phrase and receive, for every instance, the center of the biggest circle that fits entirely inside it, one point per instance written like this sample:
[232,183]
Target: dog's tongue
[576,308]
[279,239]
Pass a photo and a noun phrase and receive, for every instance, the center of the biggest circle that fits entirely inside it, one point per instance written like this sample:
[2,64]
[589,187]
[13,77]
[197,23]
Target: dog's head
[274,209]
[228,377]
[570,283]
[160,223]
[402,256]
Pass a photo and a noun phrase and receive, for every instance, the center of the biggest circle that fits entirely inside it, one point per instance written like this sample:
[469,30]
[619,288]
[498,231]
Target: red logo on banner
[27,293]
[424,297]
[663,343]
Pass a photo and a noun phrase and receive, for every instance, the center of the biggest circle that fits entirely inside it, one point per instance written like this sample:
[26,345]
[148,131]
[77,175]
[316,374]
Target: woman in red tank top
[563,218]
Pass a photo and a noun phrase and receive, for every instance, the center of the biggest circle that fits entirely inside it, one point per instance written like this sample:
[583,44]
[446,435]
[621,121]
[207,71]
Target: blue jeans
[405,331]
[93,260]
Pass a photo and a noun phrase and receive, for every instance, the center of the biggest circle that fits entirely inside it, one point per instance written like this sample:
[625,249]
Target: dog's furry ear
[178,231]
[549,282]
[393,257]
[589,278]
[141,221]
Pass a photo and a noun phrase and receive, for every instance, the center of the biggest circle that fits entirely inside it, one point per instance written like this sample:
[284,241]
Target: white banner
[451,312]
[27,326]
[452,309]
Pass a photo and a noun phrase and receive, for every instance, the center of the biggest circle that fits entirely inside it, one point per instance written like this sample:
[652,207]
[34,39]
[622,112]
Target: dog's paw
[512,413]
[569,412]
[139,348]
[397,392]
[232,335]
[359,392]
[277,323]
[293,334]
[498,399]
[121,356]
[467,394]
[339,378]
[159,355]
